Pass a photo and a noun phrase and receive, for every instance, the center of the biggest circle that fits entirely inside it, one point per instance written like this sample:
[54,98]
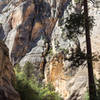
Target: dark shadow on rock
[23,42]
[42,10]
[77,58]
[1,32]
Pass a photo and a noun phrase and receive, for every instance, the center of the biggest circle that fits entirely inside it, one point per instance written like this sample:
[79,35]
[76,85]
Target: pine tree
[92,88]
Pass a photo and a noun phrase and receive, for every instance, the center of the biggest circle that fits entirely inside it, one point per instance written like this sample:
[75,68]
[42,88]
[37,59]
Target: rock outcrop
[32,31]
[3,3]
[7,76]
[1,32]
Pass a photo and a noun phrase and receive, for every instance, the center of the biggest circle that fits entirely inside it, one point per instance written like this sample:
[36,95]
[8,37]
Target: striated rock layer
[7,76]
[31,29]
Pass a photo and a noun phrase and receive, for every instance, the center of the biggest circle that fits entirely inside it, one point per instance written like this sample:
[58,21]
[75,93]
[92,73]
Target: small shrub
[24,88]
[29,89]
[28,69]
[50,51]
[86,96]
[18,68]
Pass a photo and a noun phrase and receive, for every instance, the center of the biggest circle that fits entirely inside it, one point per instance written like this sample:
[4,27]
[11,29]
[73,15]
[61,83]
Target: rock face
[3,3]
[7,91]
[1,32]
[32,31]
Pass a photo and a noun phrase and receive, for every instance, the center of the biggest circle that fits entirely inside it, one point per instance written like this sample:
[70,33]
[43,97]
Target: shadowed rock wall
[7,76]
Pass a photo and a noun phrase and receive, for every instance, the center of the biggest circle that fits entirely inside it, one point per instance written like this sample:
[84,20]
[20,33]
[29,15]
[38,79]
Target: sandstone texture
[7,76]
[31,29]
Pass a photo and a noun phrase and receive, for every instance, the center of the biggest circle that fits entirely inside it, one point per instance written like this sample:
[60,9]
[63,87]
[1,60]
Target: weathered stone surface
[71,83]
[25,21]
[10,39]
[7,76]
[75,82]
[77,85]
[31,31]
[3,3]
[95,38]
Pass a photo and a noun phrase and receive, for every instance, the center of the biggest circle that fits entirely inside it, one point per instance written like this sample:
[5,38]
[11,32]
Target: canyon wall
[7,76]
[31,29]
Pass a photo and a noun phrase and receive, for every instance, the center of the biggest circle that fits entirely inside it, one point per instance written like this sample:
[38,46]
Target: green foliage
[28,87]
[50,51]
[18,68]
[24,88]
[78,1]
[48,93]
[97,90]
[75,24]
[78,58]
[28,69]
[86,96]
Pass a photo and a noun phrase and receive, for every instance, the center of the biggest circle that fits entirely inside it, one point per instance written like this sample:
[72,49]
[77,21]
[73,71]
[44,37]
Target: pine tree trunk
[92,88]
